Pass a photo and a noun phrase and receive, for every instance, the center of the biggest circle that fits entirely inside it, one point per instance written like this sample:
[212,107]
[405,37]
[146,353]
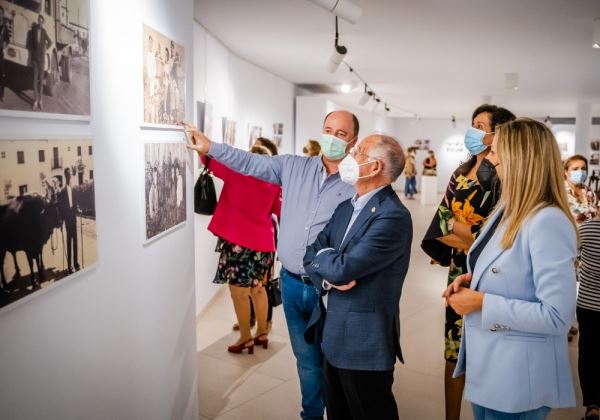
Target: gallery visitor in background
[588,316]
[38,43]
[269,144]
[470,196]
[312,189]
[312,148]
[358,263]
[242,222]
[273,151]
[518,299]
[430,164]
[410,173]
[582,199]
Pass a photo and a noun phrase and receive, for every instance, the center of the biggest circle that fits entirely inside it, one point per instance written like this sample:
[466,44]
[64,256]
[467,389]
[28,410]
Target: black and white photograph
[44,57]
[229,133]
[595,159]
[165,174]
[595,145]
[47,213]
[164,79]
[278,133]
[254,132]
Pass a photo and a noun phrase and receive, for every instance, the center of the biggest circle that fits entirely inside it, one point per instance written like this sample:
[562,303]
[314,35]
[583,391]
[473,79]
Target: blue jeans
[410,186]
[299,299]
[482,413]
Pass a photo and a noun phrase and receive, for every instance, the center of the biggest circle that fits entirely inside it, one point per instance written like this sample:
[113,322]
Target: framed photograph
[595,145]
[165,187]
[254,132]
[164,80]
[47,214]
[44,59]
[278,133]
[595,159]
[229,133]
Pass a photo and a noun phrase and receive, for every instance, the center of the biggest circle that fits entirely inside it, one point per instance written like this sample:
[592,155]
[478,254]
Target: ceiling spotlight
[387,108]
[338,53]
[548,122]
[453,119]
[342,8]
[511,81]
[596,36]
[345,88]
[366,96]
[377,102]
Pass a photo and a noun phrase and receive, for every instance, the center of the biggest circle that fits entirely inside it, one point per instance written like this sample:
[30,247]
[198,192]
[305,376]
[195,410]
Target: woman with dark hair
[269,144]
[472,193]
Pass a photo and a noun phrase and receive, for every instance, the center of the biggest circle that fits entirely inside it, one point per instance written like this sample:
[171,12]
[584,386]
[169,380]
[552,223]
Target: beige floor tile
[223,386]
[280,403]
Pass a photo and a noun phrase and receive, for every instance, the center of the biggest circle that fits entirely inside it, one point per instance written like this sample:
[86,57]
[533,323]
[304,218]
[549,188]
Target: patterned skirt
[242,267]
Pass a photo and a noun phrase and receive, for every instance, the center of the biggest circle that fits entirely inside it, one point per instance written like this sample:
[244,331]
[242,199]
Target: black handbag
[205,195]
[274,292]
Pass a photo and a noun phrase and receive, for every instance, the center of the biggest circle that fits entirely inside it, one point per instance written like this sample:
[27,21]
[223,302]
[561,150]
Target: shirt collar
[359,202]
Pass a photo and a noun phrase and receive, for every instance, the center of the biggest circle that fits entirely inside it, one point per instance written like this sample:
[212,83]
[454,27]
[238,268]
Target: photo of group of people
[47,213]
[44,51]
[164,79]
[165,187]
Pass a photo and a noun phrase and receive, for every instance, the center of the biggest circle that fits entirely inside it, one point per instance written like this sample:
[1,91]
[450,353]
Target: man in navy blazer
[358,264]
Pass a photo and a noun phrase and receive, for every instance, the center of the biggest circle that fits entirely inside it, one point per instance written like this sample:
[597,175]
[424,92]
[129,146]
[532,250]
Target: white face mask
[349,169]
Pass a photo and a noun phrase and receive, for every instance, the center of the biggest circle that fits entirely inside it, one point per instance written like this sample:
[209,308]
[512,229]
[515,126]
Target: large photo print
[164,187]
[164,79]
[44,52]
[47,213]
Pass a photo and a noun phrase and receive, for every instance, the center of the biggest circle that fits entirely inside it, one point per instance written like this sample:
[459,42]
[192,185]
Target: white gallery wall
[116,341]
[249,95]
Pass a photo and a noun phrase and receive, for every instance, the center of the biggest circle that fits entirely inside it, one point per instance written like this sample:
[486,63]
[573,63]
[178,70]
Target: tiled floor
[265,386]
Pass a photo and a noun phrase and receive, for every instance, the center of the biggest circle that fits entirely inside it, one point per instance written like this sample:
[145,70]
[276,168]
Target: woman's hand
[460,282]
[200,143]
[466,301]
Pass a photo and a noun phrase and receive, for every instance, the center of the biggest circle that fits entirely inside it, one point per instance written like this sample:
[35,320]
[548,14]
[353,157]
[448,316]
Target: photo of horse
[47,214]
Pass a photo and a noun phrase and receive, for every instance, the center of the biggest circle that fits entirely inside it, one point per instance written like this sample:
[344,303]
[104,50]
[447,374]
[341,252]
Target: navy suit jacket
[361,327]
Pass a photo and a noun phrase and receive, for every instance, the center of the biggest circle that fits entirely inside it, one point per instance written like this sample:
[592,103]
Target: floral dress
[243,267]
[582,211]
[469,204]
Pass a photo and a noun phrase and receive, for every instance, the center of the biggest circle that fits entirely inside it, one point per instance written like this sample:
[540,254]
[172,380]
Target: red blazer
[244,212]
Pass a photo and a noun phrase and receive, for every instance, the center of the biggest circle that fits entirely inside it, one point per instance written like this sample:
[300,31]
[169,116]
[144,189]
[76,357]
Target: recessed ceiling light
[345,88]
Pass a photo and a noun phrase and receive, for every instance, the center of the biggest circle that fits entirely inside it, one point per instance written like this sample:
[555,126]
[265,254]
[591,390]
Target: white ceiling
[435,58]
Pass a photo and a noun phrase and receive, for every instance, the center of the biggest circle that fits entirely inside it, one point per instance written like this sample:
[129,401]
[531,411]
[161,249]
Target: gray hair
[390,153]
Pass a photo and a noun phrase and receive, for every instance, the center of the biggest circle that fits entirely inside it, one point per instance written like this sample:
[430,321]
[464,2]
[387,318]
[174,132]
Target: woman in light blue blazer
[518,299]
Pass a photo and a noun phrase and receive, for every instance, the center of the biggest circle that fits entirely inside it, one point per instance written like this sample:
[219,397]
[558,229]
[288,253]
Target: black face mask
[487,176]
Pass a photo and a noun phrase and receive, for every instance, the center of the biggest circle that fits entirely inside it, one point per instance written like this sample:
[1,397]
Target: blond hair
[532,174]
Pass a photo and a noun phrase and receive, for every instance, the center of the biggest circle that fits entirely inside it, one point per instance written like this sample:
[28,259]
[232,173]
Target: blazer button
[494,270]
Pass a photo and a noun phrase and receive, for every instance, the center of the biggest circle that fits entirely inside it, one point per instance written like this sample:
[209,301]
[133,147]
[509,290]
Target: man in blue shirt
[312,189]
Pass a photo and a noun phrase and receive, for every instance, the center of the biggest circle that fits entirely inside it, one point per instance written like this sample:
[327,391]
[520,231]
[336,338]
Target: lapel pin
[373,210]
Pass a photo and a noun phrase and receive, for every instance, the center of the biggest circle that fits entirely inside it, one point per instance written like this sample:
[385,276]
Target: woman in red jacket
[243,223]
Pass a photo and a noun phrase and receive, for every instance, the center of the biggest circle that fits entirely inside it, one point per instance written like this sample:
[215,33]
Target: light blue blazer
[514,351]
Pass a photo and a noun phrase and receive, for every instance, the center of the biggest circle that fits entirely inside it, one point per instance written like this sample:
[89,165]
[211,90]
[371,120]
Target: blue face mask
[579,176]
[332,147]
[474,141]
